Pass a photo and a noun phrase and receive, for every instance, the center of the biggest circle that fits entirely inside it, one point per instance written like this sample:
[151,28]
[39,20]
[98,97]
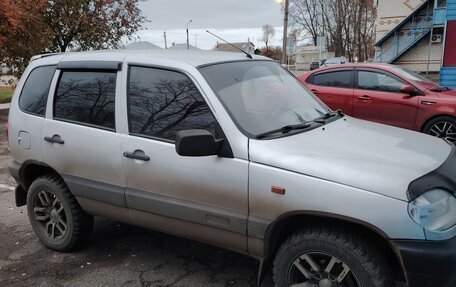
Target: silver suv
[234,152]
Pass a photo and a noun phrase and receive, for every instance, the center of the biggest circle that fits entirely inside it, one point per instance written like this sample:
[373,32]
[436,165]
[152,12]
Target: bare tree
[268,34]
[349,25]
[307,15]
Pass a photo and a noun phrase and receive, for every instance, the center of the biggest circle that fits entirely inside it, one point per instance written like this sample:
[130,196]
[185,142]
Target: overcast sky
[234,20]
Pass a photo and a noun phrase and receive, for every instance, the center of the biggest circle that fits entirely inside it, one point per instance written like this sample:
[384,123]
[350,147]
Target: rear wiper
[285,129]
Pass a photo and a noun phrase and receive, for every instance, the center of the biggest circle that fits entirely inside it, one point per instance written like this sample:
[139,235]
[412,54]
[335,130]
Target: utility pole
[285,31]
[164,36]
[188,44]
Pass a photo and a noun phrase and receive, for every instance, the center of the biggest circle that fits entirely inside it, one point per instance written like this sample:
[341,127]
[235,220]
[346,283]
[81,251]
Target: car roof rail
[41,56]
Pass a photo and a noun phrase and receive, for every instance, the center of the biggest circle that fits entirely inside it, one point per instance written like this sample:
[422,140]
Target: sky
[234,20]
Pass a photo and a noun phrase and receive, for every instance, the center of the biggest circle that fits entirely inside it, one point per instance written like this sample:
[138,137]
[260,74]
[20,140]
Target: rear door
[377,98]
[334,88]
[79,133]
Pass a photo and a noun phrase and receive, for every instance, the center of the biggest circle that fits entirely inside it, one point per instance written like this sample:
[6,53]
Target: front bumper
[429,263]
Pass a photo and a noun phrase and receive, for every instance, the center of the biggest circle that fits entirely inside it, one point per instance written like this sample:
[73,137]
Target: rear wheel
[55,215]
[442,127]
[324,257]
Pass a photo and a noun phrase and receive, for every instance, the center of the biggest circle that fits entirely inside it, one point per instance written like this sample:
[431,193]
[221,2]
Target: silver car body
[349,168]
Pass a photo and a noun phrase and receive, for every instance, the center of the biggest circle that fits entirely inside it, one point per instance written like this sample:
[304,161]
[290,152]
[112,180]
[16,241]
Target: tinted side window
[163,102]
[35,92]
[378,82]
[86,97]
[341,79]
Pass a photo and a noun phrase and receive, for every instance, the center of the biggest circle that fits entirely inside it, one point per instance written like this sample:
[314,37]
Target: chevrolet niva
[232,151]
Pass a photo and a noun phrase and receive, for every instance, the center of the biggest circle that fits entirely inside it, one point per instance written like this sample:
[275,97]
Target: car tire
[55,215]
[323,247]
[437,125]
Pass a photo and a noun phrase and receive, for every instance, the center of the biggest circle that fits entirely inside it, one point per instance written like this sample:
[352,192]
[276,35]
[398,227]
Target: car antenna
[237,48]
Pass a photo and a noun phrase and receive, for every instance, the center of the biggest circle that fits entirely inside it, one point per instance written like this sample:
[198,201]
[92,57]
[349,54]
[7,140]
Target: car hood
[357,153]
[450,95]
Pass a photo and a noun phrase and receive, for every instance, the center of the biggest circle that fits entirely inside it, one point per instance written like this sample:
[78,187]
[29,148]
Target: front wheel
[442,127]
[55,215]
[323,257]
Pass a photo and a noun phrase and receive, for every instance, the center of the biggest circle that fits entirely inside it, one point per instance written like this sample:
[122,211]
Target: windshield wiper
[440,89]
[327,116]
[285,129]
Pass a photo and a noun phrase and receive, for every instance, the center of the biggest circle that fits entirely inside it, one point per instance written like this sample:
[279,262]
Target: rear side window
[340,79]
[35,92]
[163,102]
[86,97]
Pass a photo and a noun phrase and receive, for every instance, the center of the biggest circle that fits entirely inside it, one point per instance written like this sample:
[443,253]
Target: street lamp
[286,8]
[188,44]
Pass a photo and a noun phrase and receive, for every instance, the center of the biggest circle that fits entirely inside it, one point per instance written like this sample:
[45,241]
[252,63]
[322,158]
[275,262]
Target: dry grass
[5,95]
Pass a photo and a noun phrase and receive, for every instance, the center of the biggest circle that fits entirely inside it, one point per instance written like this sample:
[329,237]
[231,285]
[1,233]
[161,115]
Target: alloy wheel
[445,130]
[316,269]
[50,213]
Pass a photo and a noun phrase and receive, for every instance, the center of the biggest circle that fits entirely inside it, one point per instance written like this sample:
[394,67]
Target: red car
[387,94]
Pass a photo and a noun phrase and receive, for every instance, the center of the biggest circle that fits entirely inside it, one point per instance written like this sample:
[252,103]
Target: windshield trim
[233,118]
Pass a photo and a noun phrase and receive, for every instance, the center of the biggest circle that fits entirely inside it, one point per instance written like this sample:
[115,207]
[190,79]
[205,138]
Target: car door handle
[314,91]
[428,103]
[54,139]
[365,98]
[137,154]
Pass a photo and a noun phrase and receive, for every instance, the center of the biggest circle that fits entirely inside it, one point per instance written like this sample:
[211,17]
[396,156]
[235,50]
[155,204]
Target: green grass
[5,95]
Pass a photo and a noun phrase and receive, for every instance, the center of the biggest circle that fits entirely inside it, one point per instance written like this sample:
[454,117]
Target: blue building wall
[451,10]
[448,77]
[448,74]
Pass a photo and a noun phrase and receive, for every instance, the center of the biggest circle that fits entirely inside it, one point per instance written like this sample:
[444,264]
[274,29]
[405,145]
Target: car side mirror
[409,90]
[197,143]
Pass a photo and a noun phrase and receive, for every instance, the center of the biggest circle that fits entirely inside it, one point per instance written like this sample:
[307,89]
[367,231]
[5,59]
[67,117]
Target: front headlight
[435,210]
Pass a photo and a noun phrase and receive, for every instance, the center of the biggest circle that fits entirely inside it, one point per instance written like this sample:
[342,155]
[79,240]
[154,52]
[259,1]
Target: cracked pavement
[116,254]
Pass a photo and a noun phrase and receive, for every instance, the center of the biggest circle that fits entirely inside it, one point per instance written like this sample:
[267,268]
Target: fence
[8,81]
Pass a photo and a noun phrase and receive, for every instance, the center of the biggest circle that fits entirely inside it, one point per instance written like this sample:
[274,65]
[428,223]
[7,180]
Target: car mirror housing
[197,143]
[409,90]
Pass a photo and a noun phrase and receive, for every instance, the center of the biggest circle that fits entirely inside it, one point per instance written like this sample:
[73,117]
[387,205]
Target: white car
[235,152]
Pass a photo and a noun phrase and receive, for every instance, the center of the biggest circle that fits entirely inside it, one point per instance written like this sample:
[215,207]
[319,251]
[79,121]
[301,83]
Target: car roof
[357,65]
[194,58]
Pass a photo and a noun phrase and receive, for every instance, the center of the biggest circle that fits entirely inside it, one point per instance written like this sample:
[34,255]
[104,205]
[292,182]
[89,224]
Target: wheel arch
[292,222]
[30,170]
[426,122]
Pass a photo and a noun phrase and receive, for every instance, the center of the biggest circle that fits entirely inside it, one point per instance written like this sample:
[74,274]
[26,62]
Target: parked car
[387,94]
[233,152]
[335,61]
[316,64]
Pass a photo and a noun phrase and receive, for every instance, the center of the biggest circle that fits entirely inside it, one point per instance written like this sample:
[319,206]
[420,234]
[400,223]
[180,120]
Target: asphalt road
[116,254]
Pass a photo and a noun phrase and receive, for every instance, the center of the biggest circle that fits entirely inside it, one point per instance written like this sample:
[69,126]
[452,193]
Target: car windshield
[261,96]
[410,75]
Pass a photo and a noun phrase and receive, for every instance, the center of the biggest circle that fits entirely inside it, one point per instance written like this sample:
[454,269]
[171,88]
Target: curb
[4,109]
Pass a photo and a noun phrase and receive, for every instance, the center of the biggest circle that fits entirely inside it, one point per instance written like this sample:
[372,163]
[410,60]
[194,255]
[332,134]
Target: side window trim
[48,94]
[182,72]
[352,77]
[59,73]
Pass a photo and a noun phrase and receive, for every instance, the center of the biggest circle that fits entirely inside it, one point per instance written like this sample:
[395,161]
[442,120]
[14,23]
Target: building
[412,34]
[308,54]
[141,46]
[182,47]
[247,47]
[448,69]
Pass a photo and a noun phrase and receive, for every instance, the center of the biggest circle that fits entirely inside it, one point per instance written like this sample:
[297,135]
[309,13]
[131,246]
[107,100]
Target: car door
[79,134]
[203,198]
[334,88]
[377,98]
